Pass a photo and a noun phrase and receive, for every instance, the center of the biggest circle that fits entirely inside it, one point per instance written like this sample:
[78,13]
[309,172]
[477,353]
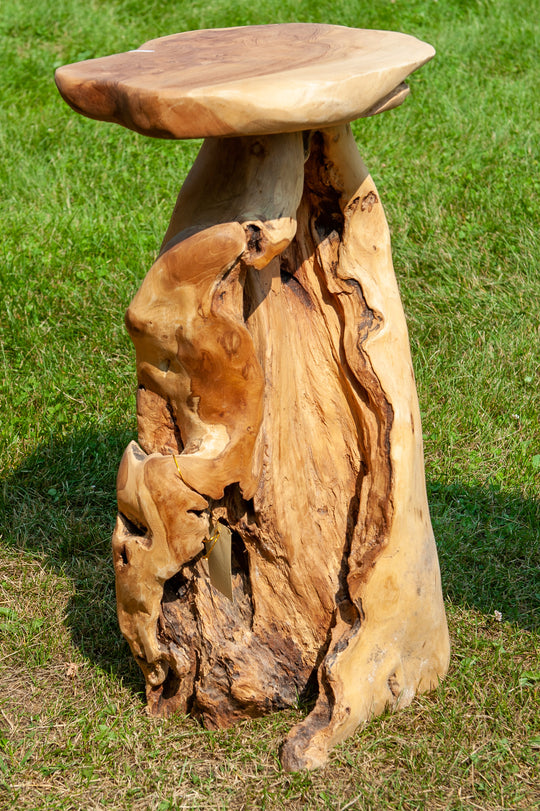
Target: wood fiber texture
[273,362]
[245,81]
[276,395]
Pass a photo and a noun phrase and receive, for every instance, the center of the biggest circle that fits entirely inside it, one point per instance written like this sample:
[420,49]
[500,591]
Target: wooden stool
[277,412]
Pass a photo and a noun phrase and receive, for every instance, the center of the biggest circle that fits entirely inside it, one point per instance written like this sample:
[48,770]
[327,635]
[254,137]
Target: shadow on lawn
[61,503]
[489,549]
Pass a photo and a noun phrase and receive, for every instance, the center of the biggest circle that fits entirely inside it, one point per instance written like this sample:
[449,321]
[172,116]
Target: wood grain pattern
[275,390]
[247,80]
[313,459]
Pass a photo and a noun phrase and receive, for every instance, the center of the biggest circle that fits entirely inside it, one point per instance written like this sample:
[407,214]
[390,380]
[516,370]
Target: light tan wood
[276,393]
[203,365]
[314,458]
[248,80]
[389,638]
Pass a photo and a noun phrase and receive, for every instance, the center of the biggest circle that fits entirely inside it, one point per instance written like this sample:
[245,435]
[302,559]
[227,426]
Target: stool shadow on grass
[489,549]
[60,505]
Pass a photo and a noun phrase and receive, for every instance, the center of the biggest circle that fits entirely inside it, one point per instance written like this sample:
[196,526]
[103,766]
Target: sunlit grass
[83,208]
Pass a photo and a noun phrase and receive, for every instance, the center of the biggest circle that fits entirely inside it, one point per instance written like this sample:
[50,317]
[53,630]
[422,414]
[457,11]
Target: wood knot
[258,150]
[369,201]
[254,238]
[231,342]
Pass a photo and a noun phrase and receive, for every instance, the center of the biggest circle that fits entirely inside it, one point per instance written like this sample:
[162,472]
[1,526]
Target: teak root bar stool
[273,535]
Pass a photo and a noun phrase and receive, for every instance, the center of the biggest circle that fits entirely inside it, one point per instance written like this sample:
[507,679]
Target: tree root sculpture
[276,394]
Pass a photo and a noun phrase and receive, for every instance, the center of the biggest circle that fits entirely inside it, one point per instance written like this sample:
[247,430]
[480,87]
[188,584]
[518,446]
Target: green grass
[83,208]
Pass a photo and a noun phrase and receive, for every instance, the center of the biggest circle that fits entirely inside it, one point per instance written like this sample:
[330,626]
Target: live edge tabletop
[273,537]
[246,81]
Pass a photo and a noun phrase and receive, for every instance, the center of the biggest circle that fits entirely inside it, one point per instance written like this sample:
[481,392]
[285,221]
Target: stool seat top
[249,80]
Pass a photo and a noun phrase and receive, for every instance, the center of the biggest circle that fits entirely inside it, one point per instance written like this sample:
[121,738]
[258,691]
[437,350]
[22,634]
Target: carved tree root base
[273,361]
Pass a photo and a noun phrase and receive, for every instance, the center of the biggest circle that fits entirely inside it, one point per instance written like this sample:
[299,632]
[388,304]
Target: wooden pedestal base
[276,395]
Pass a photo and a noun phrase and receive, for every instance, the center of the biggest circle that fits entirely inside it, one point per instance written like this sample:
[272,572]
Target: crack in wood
[282,410]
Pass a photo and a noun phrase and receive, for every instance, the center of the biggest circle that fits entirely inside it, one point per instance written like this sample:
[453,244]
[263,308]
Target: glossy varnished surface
[247,80]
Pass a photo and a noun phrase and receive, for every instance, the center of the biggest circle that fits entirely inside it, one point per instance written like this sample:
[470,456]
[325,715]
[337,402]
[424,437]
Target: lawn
[83,208]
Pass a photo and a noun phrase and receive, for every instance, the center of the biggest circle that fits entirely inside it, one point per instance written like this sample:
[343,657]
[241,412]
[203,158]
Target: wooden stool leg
[389,637]
[273,361]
